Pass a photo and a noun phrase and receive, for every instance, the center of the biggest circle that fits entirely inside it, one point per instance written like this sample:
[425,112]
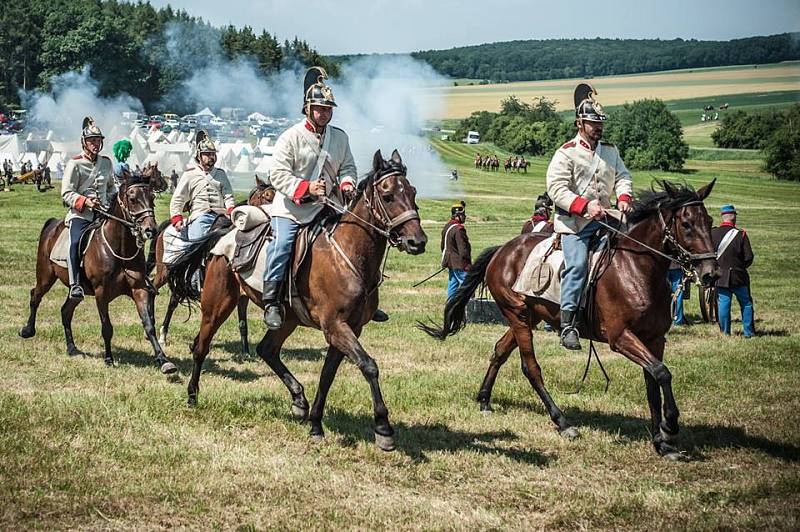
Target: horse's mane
[662,194]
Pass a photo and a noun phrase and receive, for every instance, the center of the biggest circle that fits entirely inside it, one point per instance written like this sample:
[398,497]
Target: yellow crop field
[460,101]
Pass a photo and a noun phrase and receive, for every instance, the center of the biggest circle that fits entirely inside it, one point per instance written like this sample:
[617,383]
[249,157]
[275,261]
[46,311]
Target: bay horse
[338,285]
[261,194]
[631,301]
[113,264]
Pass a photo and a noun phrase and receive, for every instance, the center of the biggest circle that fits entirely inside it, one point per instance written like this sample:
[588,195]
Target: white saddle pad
[60,251]
[173,244]
[225,247]
[524,284]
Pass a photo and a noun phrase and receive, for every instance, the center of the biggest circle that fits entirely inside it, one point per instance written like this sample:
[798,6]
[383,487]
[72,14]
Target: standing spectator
[734,256]
[675,277]
[456,250]
[48,183]
[173,179]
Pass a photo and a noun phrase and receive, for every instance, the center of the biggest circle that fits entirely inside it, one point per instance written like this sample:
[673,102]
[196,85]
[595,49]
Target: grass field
[698,87]
[83,446]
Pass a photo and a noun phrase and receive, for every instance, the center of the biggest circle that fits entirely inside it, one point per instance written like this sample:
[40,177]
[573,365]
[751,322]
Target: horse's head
[152,175]
[688,230]
[262,194]
[392,200]
[136,200]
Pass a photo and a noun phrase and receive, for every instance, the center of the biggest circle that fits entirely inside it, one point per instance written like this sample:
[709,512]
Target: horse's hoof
[300,413]
[75,352]
[192,401]
[384,443]
[27,332]
[317,438]
[675,456]
[168,368]
[486,408]
[109,362]
[162,340]
[570,433]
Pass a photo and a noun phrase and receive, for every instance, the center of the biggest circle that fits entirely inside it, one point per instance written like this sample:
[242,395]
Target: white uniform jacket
[203,191]
[295,161]
[84,178]
[576,175]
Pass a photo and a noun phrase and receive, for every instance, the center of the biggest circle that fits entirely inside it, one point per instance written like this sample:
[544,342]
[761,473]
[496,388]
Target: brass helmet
[458,208]
[586,107]
[315,91]
[543,205]
[88,130]
[203,144]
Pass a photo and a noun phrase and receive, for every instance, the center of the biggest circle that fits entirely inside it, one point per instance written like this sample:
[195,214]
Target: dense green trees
[646,133]
[131,47]
[782,148]
[571,58]
[648,136]
[743,130]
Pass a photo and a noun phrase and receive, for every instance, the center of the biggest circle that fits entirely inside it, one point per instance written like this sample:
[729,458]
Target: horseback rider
[312,160]
[88,184]
[539,222]
[456,249]
[122,150]
[205,188]
[581,178]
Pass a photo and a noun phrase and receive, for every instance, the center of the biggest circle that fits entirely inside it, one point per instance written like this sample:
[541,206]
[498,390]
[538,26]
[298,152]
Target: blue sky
[357,26]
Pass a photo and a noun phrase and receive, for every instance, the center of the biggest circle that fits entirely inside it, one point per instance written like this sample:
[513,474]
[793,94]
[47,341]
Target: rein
[132,225]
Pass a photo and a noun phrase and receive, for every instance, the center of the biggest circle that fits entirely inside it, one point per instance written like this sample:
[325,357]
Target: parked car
[172,123]
[217,121]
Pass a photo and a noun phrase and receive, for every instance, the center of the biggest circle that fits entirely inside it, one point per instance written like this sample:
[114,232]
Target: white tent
[256,117]
[264,166]
[30,157]
[156,137]
[168,161]
[244,165]
[56,159]
[10,149]
[205,112]
[172,136]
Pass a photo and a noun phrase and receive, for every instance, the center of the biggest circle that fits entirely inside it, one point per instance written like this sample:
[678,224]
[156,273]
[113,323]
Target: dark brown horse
[262,194]
[631,301]
[338,285]
[113,264]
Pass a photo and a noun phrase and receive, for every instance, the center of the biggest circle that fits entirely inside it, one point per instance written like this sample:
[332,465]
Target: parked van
[473,137]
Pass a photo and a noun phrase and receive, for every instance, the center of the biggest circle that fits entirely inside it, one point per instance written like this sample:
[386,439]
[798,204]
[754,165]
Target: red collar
[727,224]
[312,128]
[538,218]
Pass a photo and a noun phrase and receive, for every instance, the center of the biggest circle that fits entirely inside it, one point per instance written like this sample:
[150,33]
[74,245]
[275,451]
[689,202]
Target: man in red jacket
[734,256]
[456,250]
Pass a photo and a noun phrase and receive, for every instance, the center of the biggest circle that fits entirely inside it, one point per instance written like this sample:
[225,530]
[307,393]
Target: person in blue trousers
[734,256]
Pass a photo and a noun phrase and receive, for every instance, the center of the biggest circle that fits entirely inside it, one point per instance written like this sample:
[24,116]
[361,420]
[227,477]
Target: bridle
[130,219]
[684,257]
[377,207]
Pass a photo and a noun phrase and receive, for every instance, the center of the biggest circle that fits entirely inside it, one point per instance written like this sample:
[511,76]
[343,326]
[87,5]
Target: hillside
[572,58]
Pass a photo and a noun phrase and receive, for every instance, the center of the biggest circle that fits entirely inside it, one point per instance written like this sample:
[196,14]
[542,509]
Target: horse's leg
[45,277]
[343,338]
[665,432]
[67,310]
[105,324]
[502,350]
[242,311]
[329,368]
[219,297]
[532,371]
[141,296]
[269,349]
[171,306]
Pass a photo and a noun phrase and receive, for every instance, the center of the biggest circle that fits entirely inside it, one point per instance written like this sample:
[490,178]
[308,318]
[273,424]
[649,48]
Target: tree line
[775,132]
[130,47]
[647,134]
[582,58]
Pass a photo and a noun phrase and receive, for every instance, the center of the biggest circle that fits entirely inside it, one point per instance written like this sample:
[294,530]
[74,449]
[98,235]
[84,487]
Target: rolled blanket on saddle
[247,217]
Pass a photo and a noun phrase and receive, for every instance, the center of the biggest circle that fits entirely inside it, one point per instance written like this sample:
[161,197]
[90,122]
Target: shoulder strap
[444,248]
[592,168]
[726,241]
[539,226]
[323,154]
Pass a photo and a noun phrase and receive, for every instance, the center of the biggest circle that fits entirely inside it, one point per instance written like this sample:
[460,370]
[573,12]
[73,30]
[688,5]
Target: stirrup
[272,316]
[570,344]
[76,291]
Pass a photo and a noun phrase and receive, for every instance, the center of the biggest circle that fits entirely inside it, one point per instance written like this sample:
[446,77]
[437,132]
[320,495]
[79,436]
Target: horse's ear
[377,161]
[396,157]
[260,183]
[669,189]
[705,191]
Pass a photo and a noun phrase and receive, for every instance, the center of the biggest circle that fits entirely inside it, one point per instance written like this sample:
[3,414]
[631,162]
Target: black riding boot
[569,330]
[272,305]
[380,315]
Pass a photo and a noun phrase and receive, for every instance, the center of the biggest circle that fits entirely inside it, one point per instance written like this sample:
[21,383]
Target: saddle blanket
[525,282]
[60,251]
[226,247]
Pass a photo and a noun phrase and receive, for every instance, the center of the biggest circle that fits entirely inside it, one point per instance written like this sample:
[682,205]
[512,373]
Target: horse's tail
[182,272]
[151,255]
[455,308]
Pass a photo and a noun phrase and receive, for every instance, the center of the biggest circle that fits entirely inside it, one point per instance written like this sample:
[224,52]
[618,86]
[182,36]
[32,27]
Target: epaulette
[585,144]
[570,144]
[79,156]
